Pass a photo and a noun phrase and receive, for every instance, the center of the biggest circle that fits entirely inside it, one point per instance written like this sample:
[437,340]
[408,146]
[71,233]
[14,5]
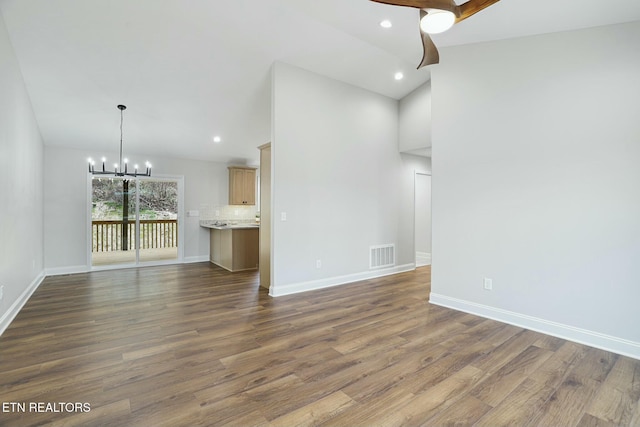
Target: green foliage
[158,199]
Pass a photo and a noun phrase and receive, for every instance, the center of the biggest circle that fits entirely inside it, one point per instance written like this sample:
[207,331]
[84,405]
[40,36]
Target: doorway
[135,221]
[422,218]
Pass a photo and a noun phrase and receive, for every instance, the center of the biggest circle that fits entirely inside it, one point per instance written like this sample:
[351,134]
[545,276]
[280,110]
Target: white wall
[339,177]
[414,120]
[21,187]
[536,144]
[66,199]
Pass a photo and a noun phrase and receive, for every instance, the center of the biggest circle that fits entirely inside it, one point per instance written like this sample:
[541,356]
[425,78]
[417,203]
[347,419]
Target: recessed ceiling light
[398,76]
[386,24]
[217,139]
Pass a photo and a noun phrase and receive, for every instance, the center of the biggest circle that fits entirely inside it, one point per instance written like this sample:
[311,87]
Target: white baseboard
[15,308]
[73,269]
[423,258]
[294,288]
[193,259]
[571,333]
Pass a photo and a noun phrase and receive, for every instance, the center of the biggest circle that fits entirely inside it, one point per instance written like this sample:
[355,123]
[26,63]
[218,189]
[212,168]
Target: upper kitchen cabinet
[242,185]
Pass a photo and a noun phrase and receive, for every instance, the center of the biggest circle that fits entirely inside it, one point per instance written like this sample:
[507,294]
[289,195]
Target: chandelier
[121,168]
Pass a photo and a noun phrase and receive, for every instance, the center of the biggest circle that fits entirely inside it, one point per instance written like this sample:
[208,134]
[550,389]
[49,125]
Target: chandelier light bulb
[437,21]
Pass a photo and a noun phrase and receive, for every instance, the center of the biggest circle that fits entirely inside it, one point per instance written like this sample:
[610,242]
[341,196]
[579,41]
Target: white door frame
[422,258]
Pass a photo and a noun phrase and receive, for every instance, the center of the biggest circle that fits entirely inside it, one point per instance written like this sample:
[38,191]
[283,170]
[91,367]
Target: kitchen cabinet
[242,185]
[215,246]
[234,249]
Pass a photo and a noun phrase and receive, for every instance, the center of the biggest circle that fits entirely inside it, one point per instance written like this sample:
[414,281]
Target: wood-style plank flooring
[194,345]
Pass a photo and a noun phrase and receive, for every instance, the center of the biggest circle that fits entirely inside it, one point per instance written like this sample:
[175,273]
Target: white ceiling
[189,70]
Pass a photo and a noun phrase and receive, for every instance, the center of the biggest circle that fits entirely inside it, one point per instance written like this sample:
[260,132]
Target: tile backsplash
[228,213]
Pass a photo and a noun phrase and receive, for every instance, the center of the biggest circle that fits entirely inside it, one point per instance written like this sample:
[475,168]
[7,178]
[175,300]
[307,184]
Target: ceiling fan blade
[430,55]
[472,7]
[408,3]
[424,4]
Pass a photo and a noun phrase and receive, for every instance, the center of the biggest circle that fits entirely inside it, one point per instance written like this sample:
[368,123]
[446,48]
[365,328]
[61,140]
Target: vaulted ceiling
[191,70]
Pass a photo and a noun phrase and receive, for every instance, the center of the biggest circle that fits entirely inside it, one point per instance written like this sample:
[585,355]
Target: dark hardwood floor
[194,345]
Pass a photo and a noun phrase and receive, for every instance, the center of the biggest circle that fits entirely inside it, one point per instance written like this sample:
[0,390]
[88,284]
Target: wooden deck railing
[154,233]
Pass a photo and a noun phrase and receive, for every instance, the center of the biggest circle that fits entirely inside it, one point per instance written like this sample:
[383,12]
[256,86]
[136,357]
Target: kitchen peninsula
[233,247]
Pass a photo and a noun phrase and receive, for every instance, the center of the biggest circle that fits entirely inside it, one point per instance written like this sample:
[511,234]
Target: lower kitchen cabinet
[234,249]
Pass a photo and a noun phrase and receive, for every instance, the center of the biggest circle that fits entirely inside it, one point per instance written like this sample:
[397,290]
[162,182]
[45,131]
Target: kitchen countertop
[222,225]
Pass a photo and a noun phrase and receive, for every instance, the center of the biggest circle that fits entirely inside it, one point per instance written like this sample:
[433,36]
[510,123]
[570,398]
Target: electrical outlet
[283,216]
[236,212]
[488,284]
[318,263]
[1,292]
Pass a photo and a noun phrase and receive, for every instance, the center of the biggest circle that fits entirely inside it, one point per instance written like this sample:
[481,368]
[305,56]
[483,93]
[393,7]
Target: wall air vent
[382,256]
